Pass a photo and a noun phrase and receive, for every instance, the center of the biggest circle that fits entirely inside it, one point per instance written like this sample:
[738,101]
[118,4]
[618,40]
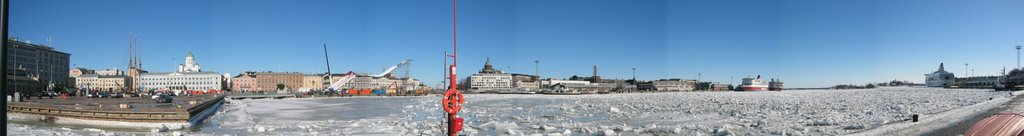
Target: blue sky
[807,43]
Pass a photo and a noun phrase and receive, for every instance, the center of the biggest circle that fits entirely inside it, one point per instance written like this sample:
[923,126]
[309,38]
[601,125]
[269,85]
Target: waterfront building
[19,81]
[939,78]
[488,79]
[645,86]
[370,82]
[713,86]
[551,82]
[313,81]
[977,82]
[244,82]
[226,80]
[110,72]
[75,72]
[586,88]
[675,84]
[583,86]
[269,81]
[182,81]
[525,82]
[489,82]
[186,78]
[45,64]
[409,84]
[97,82]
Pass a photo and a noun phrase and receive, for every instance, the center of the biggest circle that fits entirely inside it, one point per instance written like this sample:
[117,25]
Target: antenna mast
[328,59]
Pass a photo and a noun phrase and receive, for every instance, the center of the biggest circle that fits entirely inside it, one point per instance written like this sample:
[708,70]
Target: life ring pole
[452,100]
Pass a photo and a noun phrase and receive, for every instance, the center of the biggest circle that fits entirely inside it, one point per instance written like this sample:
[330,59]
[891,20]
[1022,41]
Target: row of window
[507,78]
[279,81]
[94,84]
[178,83]
[185,78]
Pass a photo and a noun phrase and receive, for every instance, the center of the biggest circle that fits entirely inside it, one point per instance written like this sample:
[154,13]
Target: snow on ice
[810,112]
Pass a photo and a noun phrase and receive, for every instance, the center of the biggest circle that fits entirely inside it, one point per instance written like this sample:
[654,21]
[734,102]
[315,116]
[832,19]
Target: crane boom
[392,68]
[352,75]
[341,82]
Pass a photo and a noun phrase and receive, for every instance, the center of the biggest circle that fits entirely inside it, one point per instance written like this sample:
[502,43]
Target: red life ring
[452,101]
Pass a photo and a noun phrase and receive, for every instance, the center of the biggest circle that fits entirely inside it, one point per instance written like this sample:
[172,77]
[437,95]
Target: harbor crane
[336,85]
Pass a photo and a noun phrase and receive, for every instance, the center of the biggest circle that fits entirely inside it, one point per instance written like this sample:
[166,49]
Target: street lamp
[1018,57]
[536,71]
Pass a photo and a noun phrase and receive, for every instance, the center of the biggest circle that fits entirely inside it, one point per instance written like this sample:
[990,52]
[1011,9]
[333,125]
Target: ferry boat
[753,84]
[775,85]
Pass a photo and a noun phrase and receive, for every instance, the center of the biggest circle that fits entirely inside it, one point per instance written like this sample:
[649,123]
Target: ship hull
[754,88]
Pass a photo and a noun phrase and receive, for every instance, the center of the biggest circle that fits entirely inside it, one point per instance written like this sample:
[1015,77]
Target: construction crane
[341,82]
[392,88]
[392,68]
[352,75]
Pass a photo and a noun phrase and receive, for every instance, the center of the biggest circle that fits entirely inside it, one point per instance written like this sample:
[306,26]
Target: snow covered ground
[810,112]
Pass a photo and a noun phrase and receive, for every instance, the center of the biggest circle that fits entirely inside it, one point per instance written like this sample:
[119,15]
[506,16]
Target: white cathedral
[190,64]
[188,77]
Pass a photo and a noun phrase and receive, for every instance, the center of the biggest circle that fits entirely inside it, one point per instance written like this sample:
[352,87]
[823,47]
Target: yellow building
[313,82]
[114,83]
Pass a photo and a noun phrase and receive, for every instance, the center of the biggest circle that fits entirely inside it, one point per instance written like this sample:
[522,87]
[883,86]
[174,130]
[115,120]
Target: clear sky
[806,43]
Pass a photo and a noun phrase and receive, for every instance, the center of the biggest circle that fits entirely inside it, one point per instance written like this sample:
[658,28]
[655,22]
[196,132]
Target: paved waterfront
[138,104]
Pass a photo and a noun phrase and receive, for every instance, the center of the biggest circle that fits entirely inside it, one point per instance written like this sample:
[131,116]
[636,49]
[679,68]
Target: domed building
[488,79]
[190,64]
[188,77]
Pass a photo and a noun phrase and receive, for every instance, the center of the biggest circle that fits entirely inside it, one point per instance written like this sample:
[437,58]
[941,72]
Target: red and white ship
[753,84]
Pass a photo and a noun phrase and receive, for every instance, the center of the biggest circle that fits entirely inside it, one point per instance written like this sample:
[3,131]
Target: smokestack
[597,78]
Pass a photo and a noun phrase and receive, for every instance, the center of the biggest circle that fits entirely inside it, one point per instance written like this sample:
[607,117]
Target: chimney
[596,78]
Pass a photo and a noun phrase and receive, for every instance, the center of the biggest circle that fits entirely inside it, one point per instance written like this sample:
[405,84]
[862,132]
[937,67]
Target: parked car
[162,98]
[49,93]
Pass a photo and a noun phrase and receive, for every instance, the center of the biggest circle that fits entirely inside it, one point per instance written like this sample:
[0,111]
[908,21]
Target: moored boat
[753,84]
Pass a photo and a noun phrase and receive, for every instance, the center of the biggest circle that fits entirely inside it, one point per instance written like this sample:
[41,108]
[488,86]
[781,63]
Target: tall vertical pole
[634,74]
[49,80]
[698,80]
[131,61]
[455,47]
[451,85]
[731,82]
[330,78]
[1018,57]
[137,80]
[445,69]
[536,71]
[3,57]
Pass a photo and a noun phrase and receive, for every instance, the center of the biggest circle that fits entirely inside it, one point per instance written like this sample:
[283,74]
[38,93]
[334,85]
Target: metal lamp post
[1018,57]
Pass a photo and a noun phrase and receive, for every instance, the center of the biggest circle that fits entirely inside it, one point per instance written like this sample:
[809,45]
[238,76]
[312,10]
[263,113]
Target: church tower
[190,64]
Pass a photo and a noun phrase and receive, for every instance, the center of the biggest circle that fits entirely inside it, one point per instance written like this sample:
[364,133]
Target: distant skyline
[806,43]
